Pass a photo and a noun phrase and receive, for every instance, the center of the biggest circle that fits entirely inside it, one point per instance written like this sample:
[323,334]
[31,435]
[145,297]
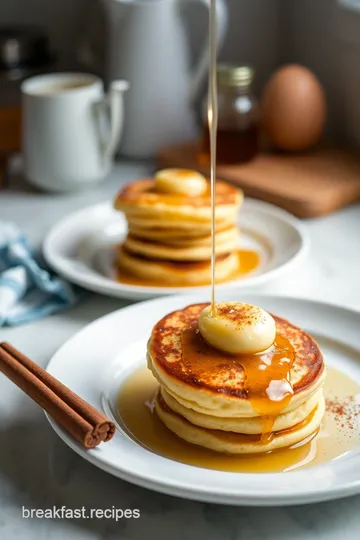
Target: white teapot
[148,48]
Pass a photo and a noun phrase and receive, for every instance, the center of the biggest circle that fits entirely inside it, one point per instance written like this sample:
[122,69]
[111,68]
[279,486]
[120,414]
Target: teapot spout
[119,86]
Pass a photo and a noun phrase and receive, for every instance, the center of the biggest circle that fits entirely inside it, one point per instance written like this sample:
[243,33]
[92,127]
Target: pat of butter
[238,328]
[180,182]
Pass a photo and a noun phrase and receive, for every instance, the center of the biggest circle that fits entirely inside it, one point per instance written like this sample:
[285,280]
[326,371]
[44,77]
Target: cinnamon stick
[70,411]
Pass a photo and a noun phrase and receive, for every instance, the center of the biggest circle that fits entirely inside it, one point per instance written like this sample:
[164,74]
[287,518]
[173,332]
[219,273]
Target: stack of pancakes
[204,395]
[169,236]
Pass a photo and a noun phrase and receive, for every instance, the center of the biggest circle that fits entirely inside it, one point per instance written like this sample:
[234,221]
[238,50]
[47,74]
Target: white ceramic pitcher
[148,47]
[71,129]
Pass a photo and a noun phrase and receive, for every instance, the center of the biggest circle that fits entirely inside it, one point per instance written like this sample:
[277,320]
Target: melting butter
[237,328]
[180,182]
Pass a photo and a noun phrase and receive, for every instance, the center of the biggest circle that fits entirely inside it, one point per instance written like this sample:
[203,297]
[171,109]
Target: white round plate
[80,249]
[98,360]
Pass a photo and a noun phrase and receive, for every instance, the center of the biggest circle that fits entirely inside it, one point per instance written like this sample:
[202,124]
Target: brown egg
[293,108]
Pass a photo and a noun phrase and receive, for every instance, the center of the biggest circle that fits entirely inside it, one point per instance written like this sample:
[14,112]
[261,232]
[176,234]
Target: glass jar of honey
[238,117]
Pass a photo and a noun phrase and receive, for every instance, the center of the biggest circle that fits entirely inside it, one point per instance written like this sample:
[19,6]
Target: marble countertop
[38,471]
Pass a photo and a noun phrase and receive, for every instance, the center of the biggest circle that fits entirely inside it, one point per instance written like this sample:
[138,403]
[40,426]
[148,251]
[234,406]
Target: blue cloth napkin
[28,291]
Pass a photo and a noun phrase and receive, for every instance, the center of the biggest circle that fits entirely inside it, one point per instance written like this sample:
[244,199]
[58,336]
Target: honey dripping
[336,437]
[267,382]
[212,115]
[267,376]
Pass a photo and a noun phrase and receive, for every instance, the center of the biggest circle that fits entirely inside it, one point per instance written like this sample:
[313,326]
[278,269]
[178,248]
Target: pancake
[170,273]
[234,443]
[185,225]
[225,243]
[179,236]
[217,385]
[245,426]
[140,199]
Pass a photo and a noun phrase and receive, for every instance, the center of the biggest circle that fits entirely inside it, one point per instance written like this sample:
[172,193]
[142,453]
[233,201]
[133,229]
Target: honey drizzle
[212,114]
[267,376]
[267,385]
[271,372]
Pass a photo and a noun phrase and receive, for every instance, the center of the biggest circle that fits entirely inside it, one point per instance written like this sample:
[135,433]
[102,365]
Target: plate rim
[204,494]
[109,288]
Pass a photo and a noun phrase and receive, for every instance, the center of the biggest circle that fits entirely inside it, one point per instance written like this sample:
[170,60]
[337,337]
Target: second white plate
[79,248]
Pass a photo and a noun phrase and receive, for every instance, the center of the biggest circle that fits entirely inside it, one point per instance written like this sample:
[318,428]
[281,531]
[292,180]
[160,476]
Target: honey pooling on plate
[137,416]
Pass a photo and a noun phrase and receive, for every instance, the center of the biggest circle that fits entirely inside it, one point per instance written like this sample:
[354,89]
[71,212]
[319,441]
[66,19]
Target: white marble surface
[38,471]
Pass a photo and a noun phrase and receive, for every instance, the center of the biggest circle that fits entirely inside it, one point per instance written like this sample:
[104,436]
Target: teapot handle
[202,66]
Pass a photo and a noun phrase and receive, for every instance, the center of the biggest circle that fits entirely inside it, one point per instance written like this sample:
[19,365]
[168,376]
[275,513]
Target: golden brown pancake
[140,200]
[142,193]
[179,236]
[245,426]
[175,273]
[225,243]
[184,224]
[217,385]
[235,443]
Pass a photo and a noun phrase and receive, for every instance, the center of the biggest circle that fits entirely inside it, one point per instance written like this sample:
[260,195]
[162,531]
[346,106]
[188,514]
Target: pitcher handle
[202,66]
[112,107]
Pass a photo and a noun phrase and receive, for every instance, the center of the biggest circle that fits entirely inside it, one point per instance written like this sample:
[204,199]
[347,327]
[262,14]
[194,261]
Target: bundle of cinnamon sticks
[76,416]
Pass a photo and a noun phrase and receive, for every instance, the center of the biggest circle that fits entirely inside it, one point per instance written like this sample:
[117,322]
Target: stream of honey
[337,436]
[261,373]
[212,114]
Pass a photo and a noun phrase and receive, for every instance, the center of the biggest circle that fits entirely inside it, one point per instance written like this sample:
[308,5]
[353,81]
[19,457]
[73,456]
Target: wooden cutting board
[307,185]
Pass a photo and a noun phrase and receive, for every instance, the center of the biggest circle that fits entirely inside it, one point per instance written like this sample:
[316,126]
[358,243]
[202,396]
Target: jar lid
[230,75]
